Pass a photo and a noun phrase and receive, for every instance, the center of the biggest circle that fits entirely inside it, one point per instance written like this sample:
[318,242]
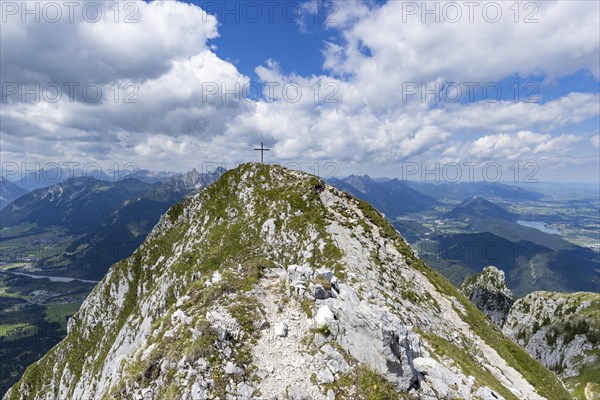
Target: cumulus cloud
[191,104]
[137,42]
[158,77]
[469,46]
[572,108]
[516,146]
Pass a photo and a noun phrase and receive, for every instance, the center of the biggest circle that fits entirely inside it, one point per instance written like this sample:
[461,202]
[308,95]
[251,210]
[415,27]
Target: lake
[539,225]
[52,278]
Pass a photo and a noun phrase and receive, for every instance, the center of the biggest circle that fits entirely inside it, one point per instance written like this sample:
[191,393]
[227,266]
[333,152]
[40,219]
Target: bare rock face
[562,331]
[488,291]
[270,284]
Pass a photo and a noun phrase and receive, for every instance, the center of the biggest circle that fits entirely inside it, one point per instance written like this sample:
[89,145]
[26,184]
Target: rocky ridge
[270,284]
[561,330]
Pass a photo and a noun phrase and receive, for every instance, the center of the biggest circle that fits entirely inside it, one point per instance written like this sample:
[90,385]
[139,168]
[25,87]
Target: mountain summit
[270,284]
[478,207]
[488,291]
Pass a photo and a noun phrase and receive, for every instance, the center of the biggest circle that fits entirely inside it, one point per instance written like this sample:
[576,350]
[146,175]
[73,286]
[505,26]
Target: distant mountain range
[391,197]
[99,222]
[92,223]
[46,177]
[124,230]
[9,192]
[462,190]
[482,215]
[78,204]
[476,208]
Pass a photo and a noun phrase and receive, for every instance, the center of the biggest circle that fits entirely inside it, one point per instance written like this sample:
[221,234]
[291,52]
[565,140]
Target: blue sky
[353,85]
[296,41]
[248,38]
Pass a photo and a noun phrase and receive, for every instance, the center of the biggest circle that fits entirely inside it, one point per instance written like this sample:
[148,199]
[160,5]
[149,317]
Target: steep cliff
[488,291]
[562,331]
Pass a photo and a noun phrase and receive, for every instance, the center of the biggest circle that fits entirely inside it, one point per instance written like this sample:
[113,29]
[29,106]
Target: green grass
[373,386]
[536,374]
[363,383]
[60,312]
[17,229]
[20,330]
[323,330]
[4,292]
[467,363]
[587,374]
[14,265]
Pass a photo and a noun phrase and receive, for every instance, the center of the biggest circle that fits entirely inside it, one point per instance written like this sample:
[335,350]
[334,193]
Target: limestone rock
[281,329]
[488,291]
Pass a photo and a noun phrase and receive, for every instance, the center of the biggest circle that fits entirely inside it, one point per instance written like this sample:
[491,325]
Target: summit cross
[262,152]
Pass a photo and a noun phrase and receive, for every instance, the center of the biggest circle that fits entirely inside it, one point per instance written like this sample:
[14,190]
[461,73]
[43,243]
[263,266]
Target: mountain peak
[360,183]
[192,180]
[478,207]
[267,270]
[488,291]
[392,197]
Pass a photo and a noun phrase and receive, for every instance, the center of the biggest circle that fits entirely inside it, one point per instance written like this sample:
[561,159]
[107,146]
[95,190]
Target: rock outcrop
[488,291]
[270,284]
[562,331]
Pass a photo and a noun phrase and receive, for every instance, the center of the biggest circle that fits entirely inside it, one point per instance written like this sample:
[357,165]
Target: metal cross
[262,152]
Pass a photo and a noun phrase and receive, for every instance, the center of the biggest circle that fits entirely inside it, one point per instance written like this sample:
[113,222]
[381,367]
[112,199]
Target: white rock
[280,329]
[232,369]
[485,393]
[182,300]
[335,361]
[325,376]
[198,392]
[179,317]
[201,364]
[324,315]
[300,272]
[244,391]
[269,228]
[216,277]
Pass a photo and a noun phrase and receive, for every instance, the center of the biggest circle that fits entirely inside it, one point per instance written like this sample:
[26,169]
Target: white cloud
[105,51]
[517,146]
[175,124]
[508,115]
[165,53]
[564,40]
